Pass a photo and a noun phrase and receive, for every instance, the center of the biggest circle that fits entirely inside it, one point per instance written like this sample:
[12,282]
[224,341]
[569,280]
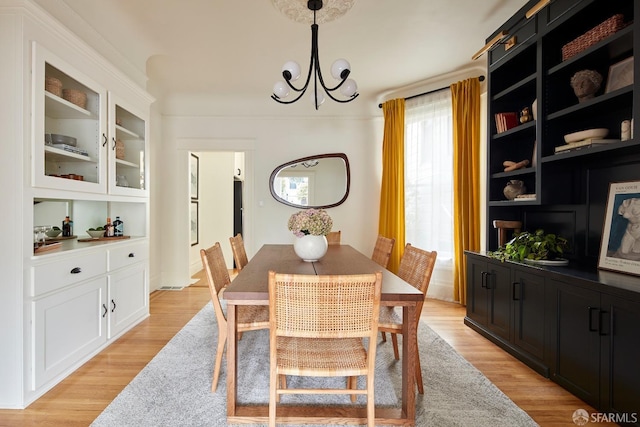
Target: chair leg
[282,383]
[352,384]
[274,397]
[419,374]
[394,339]
[222,340]
[371,404]
[384,336]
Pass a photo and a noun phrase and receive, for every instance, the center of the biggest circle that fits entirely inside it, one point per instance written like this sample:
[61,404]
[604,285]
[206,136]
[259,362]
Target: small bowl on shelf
[95,233]
[53,232]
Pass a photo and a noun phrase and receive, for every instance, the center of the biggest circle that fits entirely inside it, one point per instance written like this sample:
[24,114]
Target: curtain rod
[481,78]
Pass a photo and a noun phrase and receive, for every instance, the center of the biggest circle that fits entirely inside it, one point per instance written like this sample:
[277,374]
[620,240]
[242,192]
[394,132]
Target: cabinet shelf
[122,132]
[517,129]
[515,202]
[614,46]
[597,101]
[517,172]
[57,154]
[527,80]
[58,108]
[127,164]
[587,151]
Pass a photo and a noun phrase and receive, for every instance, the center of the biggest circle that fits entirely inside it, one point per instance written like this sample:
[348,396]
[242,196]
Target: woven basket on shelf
[76,97]
[593,36]
[53,85]
[119,149]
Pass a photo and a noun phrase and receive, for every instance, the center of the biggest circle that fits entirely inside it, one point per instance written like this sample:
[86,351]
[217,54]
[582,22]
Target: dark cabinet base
[581,330]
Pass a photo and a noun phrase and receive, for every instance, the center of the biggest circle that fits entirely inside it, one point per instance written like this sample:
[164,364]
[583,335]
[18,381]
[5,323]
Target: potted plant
[310,226]
[536,246]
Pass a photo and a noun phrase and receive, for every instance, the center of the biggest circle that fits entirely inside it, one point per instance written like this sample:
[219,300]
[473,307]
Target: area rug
[174,389]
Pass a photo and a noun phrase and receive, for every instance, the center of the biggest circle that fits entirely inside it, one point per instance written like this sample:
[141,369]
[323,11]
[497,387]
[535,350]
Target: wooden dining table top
[252,283]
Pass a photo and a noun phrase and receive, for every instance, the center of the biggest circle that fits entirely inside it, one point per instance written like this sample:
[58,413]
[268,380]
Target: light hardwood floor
[82,396]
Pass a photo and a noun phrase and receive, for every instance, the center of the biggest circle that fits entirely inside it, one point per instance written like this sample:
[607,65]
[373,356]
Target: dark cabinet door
[476,290]
[528,293]
[620,338]
[499,289]
[577,341]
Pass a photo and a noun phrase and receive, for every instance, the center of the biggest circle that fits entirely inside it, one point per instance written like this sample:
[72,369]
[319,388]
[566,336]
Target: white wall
[267,143]
[215,202]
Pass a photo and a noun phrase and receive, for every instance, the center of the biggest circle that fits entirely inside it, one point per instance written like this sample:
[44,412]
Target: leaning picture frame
[620,75]
[194,165]
[620,244]
[194,223]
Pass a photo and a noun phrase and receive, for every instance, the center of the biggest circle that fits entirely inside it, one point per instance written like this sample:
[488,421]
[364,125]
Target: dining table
[250,287]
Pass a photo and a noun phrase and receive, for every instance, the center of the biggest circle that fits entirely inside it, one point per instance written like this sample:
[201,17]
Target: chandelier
[340,70]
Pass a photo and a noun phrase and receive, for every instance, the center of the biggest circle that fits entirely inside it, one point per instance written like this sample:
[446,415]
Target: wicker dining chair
[382,250]
[416,267]
[250,317]
[239,253]
[333,238]
[317,326]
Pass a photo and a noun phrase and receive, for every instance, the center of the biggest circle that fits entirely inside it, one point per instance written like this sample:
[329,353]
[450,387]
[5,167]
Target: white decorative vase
[310,248]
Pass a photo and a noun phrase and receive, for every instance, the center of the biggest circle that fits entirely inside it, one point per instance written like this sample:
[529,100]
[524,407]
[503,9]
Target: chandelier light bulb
[292,70]
[281,89]
[349,87]
[340,69]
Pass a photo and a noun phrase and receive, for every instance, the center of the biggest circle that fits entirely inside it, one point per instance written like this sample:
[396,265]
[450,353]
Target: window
[294,187]
[429,183]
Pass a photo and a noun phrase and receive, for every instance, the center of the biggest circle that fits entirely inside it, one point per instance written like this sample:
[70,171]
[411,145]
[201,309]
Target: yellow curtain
[466,178]
[391,223]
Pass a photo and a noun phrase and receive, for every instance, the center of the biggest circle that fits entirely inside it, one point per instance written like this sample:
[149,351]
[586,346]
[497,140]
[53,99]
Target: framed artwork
[194,165]
[620,75]
[193,220]
[620,245]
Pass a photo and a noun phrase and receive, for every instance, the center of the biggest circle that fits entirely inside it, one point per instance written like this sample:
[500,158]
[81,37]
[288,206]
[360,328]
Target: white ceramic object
[95,233]
[586,134]
[310,248]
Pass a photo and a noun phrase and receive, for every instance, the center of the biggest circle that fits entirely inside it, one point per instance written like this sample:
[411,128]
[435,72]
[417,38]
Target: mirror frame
[342,156]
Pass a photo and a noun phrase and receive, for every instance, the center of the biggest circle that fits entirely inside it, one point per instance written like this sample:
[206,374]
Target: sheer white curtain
[429,184]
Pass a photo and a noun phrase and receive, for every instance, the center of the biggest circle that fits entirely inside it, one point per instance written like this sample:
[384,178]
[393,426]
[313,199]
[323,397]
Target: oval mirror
[320,181]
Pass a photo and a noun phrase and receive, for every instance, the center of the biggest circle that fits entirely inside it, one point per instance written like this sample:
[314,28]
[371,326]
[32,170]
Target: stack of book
[506,121]
[585,143]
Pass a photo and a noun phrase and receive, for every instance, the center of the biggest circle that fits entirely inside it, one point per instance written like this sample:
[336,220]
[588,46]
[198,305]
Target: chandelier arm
[328,90]
[314,67]
[275,98]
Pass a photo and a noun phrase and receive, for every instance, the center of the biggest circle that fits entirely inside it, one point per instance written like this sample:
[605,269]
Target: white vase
[310,248]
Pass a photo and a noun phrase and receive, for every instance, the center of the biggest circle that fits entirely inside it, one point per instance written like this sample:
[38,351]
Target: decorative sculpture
[585,84]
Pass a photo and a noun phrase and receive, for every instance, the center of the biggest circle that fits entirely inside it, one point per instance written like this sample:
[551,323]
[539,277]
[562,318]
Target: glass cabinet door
[127,148]
[69,135]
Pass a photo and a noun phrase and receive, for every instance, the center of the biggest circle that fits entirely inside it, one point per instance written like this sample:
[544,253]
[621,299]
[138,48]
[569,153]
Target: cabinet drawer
[66,271]
[127,255]
[520,35]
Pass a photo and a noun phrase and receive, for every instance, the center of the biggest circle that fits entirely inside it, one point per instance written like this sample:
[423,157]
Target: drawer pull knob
[114,306]
[132,255]
[105,139]
[104,306]
[76,270]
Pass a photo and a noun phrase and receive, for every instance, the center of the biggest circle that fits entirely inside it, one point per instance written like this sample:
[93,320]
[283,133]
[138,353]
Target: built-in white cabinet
[128,147]
[85,137]
[75,141]
[80,302]
[68,327]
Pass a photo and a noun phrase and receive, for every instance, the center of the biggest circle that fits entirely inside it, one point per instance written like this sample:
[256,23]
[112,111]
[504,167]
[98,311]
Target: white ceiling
[235,49]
